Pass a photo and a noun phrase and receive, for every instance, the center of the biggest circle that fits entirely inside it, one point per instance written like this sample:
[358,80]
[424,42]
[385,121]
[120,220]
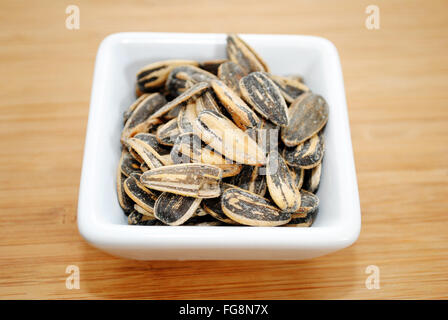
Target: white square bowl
[101,220]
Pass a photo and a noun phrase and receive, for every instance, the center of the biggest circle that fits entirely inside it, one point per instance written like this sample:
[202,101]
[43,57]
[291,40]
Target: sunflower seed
[312,178]
[303,222]
[281,184]
[173,209]
[183,77]
[133,106]
[298,175]
[309,204]
[125,202]
[154,75]
[306,155]
[207,101]
[212,65]
[242,115]
[140,195]
[136,218]
[250,209]
[128,164]
[225,137]
[143,211]
[151,158]
[187,179]
[291,89]
[151,140]
[241,53]
[265,97]
[190,93]
[189,149]
[167,133]
[187,118]
[140,120]
[308,114]
[231,73]
[213,206]
[251,180]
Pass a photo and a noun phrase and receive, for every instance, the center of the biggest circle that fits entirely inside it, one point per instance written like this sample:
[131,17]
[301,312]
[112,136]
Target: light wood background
[397,90]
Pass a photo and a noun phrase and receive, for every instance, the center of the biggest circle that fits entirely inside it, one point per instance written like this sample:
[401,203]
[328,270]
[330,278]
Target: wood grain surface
[396,83]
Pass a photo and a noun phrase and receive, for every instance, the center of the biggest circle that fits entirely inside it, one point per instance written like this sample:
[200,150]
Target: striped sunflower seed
[312,178]
[303,222]
[143,211]
[136,218]
[128,164]
[298,175]
[173,209]
[306,155]
[187,179]
[151,140]
[187,118]
[291,89]
[224,136]
[207,101]
[150,156]
[168,132]
[242,115]
[154,75]
[265,97]
[309,204]
[133,106]
[183,77]
[139,194]
[231,73]
[281,184]
[251,180]
[188,94]
[190,149]
[212,65]
[308,114]
[250,209]
[241,53]
[125,202]
[140,120]
[213,207]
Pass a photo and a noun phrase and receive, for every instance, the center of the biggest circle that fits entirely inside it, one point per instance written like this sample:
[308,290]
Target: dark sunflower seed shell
[125,202]
[139,194]
[187,179]
[309,204]
[168,133]
[308,114]
[250,209]
[242,115]
[312,178]
[290,89]
[207,101]
[173,209]
[136,218]
[143,211]
[154,75]
[213,207]
[306,155]
[298,175]
[140,120]
[241,53]
[128,164]
[151,140]
[183,77]
[231,73]
[151,158]
[265,97]
[189,149]
[304,222]
[187,118]
[133,106]
[188,94]
[225,137]
[281,184]
[251,180]
[212,65]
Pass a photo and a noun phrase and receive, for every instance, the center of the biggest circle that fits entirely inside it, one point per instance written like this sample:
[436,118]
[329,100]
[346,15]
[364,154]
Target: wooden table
[396,83]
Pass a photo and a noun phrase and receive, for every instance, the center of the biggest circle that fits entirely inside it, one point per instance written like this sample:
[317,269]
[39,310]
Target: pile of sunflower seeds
[221,142]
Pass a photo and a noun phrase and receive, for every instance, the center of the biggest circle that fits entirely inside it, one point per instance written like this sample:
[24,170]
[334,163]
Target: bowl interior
[119,61]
